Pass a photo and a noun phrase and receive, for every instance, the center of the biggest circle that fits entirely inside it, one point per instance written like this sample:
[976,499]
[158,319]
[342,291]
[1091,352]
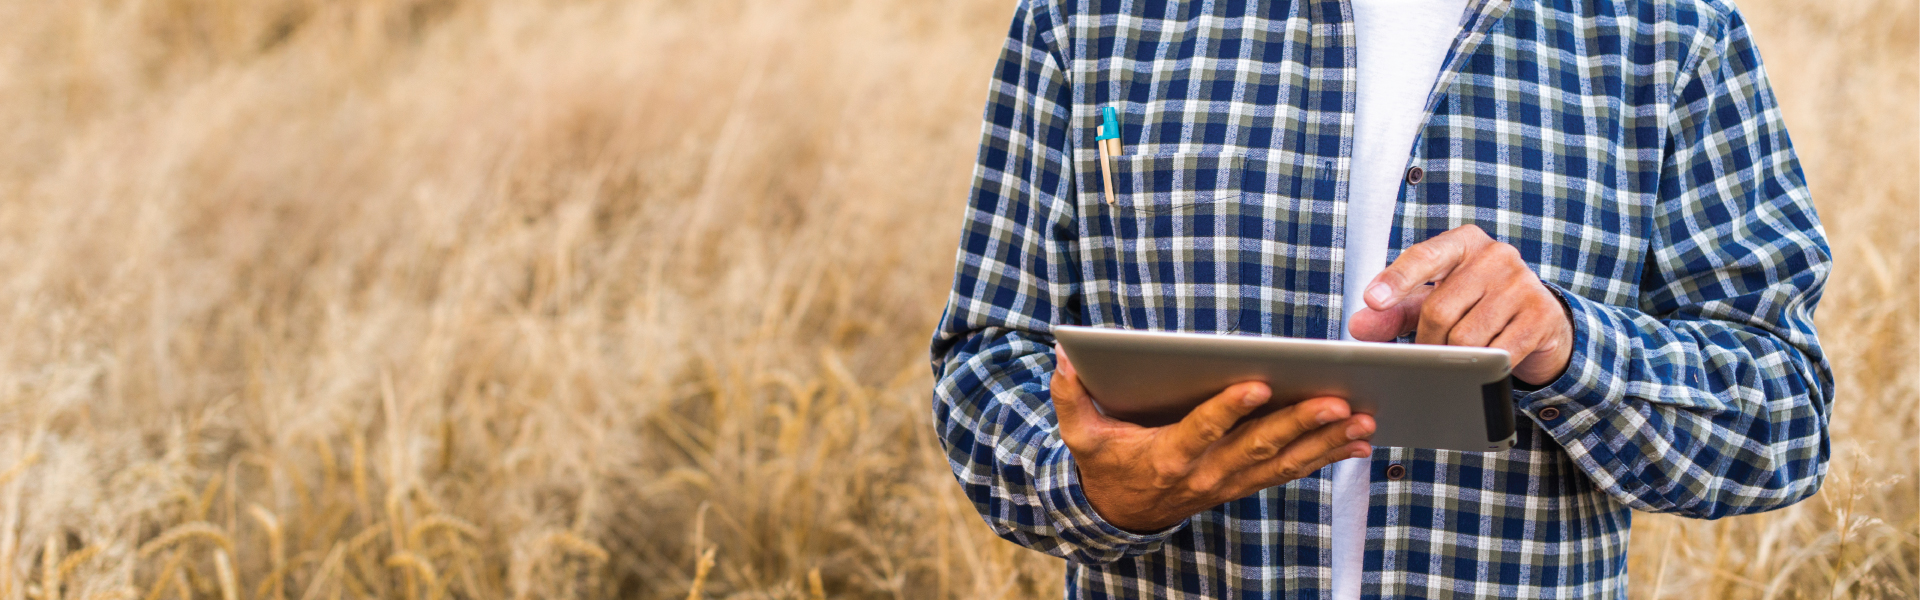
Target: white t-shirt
[1402,43]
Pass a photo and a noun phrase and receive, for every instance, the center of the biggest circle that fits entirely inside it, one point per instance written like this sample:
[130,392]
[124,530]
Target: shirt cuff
[1590,385]
[1079,524]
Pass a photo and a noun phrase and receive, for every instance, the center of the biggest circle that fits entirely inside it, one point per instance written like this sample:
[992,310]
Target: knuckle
[1546,343]
[1418,253]
[1495,257]
[1262,448]
[1290,471]
[1163,481]
[1200,486]
[1489,257]
[1168,472]
[1213,433]
[1209,432]
[1480,236]
[1462,336]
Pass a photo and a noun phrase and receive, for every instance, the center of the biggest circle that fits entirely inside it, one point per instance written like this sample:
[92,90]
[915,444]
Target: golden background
[545,299]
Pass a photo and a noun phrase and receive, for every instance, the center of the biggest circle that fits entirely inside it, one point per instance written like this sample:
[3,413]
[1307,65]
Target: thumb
[1070,400]
[1371,325]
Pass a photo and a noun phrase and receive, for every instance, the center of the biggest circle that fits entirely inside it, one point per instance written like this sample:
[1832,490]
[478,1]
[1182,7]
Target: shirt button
[1415,174]
[1549,413]
[1396,472]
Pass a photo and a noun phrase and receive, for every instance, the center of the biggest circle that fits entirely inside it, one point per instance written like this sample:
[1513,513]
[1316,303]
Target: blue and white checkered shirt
[1631,150]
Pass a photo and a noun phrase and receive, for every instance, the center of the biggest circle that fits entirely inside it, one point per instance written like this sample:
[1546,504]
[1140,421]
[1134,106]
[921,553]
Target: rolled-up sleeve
[1711,398]
[992,355]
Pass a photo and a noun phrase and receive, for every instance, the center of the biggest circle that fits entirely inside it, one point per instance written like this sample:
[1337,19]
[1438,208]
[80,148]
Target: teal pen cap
[1109,124]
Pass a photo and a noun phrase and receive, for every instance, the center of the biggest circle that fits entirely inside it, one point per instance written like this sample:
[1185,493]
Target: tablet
[1421,396]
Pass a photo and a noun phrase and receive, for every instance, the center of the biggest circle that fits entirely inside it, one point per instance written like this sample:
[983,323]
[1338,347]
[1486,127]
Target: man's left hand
[1483,295]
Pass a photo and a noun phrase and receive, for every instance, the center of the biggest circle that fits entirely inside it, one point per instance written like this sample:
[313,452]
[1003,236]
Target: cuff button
[1549,413]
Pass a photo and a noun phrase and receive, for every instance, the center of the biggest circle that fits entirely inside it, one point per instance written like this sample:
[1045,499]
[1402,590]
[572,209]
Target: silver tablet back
[1443,397]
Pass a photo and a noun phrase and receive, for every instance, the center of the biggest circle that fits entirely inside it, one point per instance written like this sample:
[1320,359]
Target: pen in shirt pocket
[1108,138]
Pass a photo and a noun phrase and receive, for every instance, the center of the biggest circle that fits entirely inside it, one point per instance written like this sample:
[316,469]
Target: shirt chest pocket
[1165,184]
[1211,242]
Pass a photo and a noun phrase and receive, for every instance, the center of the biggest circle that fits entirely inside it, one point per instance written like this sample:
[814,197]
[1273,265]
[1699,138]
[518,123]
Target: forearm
[1692,415]
[996,424]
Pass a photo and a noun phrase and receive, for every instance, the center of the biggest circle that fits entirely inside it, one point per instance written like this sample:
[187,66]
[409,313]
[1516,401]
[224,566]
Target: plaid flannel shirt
[1631,150]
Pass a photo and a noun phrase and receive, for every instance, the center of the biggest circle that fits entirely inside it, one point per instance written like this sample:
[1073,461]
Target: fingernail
[1378,293]
[1356,431]
[1325,417]
[1361,453]
[1254,398]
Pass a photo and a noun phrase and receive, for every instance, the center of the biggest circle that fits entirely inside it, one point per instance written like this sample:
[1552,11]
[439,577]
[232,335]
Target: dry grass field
[582,298]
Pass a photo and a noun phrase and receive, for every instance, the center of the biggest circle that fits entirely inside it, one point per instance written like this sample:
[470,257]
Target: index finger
[1212,420]
[1427,261]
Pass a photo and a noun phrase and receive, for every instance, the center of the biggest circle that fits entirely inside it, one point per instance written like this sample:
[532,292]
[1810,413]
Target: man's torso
[1237,120]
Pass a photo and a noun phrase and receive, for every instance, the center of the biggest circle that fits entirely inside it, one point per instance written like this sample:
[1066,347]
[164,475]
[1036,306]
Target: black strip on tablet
[1498,399]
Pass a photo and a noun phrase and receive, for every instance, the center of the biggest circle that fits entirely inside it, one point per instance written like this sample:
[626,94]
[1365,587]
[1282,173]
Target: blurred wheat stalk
[439,299]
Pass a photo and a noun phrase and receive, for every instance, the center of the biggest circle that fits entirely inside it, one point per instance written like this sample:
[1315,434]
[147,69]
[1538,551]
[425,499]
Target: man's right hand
[1149,478]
